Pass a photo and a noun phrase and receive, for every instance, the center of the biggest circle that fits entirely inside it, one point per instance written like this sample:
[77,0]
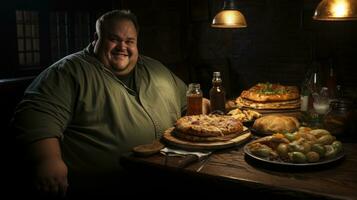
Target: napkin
[189,157]
[180,152]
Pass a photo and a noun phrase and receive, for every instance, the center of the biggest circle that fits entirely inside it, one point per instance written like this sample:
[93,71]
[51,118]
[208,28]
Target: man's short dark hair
[116,15]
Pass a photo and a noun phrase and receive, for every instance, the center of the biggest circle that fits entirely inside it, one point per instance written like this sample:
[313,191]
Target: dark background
[279,44]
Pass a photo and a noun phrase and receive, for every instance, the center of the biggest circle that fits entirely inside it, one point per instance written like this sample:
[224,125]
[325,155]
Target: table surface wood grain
[337,180]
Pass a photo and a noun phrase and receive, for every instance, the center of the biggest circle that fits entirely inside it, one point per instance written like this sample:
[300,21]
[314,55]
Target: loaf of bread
[276,124]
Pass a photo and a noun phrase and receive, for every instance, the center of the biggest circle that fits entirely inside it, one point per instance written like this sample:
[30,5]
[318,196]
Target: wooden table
[230,171]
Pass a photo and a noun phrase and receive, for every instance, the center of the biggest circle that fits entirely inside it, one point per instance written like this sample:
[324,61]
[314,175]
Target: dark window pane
[28,39]
[36,44]
[29,59]
[19,16]
[37,58]
[21,58]
[20,44]
[29,44]
[28,30]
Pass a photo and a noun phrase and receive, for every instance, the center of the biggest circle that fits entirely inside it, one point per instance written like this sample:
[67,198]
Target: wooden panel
[230,171]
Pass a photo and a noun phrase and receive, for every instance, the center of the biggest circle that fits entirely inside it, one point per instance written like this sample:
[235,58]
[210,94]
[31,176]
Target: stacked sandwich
[270,96]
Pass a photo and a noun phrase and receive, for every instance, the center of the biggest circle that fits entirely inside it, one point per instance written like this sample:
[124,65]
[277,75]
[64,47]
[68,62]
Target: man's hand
[50,171]
[51,177]
[206,106]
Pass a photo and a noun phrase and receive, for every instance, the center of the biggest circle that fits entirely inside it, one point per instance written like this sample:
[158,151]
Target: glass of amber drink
[194,99]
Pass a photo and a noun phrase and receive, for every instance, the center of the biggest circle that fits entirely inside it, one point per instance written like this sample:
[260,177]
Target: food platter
[259,133]
[274,163]
[169,138]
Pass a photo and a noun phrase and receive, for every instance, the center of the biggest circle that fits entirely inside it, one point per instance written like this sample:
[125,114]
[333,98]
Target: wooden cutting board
[168,138]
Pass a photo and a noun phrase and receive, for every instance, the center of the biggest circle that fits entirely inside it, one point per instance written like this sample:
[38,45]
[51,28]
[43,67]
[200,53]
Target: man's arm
[49,168]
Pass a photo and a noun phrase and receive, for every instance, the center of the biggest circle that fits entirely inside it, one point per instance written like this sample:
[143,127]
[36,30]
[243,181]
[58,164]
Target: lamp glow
[336,10]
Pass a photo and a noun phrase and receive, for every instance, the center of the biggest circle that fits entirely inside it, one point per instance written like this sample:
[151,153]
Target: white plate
[322,162]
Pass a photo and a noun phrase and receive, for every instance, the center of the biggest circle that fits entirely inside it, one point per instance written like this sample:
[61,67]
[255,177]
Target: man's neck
[128,79]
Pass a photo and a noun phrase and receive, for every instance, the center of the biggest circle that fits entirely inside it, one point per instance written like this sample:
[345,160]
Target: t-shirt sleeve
[46,107]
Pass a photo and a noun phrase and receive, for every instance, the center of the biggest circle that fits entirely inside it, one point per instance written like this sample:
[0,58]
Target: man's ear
[95,36]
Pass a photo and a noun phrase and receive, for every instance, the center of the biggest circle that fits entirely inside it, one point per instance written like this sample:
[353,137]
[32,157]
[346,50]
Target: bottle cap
[194,85]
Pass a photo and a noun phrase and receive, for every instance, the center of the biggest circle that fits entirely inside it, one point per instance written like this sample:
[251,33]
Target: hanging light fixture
[229,17]
[336,10]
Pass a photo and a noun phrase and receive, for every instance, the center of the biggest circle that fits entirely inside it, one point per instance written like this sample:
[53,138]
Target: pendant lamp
[229,17]
[336,10]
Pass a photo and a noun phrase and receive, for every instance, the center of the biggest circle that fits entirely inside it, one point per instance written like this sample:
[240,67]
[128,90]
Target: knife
[187,160]
[203,163]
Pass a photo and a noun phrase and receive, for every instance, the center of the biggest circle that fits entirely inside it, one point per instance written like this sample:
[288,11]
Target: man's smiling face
[116,46]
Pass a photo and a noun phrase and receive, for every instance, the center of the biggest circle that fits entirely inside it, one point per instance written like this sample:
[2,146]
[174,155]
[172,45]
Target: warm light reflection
[229,19]
[339,8]
[336,10]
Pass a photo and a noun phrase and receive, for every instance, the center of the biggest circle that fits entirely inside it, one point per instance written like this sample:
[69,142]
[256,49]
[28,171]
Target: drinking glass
[321,105]
[322,101]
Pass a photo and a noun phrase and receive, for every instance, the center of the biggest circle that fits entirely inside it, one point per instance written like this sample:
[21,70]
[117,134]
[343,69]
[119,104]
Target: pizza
[193,138]
[207,128]
[289,104]
[264,92]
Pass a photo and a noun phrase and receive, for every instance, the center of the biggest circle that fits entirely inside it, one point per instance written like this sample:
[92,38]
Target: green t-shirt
[94,114]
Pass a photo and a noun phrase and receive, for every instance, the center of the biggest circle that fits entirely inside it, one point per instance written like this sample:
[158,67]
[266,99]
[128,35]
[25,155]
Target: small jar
[337,119]
[194,97]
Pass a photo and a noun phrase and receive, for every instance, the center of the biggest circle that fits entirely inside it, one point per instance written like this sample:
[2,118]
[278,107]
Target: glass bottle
[217,95]
[305,92]
[331,82]
[194,99]
[304,98]
[309,92]
[314,85]
[338,118]
[339,92]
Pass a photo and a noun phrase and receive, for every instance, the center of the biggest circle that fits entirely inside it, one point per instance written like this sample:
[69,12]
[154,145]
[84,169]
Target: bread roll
[276,123]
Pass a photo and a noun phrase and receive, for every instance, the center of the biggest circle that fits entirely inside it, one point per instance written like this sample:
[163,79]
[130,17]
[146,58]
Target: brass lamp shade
[229,17]
[336,10]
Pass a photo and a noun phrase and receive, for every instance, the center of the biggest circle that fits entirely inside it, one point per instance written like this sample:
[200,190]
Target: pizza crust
[264,92]
[208,127]
[193,138]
